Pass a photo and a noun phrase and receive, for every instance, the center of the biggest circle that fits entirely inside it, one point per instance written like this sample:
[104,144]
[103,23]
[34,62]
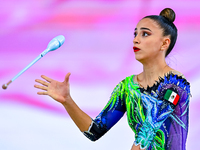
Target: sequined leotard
[158,115]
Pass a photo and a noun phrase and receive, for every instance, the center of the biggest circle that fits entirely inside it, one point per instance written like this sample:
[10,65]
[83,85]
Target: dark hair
[165,20]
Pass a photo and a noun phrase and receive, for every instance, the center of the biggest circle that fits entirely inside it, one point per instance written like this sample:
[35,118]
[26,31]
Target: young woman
[156,100]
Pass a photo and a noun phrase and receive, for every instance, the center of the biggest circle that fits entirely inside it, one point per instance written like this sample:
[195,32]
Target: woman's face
[148,40]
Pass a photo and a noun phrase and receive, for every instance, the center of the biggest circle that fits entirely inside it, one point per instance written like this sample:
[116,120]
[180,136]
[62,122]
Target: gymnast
[156,100]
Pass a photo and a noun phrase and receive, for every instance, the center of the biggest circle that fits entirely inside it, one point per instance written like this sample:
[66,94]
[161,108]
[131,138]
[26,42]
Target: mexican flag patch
[171,96]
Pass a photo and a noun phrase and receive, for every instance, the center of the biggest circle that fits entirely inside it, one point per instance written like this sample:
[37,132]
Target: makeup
[135,49]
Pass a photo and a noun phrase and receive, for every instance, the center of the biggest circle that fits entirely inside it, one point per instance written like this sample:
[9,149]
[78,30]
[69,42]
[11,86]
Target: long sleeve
[109,116]
[177,123]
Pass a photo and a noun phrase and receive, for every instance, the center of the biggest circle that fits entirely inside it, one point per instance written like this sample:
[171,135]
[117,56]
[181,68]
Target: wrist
[67,100]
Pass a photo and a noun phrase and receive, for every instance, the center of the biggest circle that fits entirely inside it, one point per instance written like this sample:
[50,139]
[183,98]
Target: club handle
[27,67]
[4,86]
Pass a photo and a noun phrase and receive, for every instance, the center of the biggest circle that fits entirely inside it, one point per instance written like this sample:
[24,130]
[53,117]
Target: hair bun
[169,14]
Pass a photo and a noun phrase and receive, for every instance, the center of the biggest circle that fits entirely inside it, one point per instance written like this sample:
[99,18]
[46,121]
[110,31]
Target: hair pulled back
[165,21]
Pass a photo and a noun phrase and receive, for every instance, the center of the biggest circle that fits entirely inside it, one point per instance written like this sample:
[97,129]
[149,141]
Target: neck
[152,71]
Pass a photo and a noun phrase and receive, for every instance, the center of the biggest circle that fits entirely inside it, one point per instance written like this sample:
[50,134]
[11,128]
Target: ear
[166,43]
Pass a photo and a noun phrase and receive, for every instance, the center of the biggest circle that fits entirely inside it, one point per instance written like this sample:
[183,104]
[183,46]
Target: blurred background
[98,53]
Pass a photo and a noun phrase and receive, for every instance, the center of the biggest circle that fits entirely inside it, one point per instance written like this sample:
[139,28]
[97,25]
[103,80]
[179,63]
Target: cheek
[153,45]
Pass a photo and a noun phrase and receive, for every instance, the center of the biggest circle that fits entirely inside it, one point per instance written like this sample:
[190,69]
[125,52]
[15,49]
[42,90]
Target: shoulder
[174,77]
[175,72]
[130,80]
[175,82]
[126,83]
[127,79]
[177,78]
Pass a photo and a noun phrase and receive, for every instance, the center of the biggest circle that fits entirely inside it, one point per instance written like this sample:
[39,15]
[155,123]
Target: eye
[145,34]
[135,34]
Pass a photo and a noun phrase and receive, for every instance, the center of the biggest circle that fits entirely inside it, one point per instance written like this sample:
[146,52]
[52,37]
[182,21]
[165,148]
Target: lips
[135,49]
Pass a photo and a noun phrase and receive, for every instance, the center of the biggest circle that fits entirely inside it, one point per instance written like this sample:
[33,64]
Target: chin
[139,58]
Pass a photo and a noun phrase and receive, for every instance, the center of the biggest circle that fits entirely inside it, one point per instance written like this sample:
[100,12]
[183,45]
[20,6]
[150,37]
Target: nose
[136,40]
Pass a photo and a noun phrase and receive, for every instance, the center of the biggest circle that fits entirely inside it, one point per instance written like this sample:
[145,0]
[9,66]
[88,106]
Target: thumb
[67,77]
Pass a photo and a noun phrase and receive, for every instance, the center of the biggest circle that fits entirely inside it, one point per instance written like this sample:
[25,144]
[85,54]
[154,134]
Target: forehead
[148,23]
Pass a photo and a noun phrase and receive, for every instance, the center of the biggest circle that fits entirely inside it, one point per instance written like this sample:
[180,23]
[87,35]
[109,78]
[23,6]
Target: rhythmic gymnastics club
[54,44]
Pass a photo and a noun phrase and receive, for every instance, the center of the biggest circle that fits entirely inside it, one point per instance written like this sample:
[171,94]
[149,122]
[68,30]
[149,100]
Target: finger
[46,78]
[42,82]
[42,93]
[67,77]
[41,87]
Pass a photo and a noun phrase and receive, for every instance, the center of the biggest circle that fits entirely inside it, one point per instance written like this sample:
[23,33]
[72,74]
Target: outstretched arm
[60,91]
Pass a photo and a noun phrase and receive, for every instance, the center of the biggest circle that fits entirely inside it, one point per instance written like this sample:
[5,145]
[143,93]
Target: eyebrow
[143,28]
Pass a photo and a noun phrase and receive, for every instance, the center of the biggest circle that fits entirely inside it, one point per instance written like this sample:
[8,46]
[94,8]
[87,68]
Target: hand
[135,147]
[59,91]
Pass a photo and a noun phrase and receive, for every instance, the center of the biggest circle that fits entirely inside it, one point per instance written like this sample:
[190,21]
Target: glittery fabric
[157,123]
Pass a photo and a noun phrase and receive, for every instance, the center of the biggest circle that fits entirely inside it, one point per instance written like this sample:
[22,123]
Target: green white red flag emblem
[171,96]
